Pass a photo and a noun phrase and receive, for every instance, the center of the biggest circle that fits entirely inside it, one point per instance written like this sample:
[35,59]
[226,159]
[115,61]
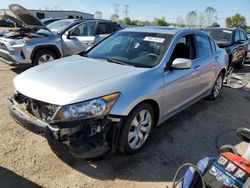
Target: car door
[181,86]
[78,38]
[244,46]
[237,48]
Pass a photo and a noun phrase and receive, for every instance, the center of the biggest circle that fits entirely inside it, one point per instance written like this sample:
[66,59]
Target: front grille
[41,110]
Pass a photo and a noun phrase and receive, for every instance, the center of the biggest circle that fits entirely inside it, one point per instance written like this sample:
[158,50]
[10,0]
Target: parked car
[47,21]
[58,39]
[115,93]
[6,23]
[248,51]
[234,41]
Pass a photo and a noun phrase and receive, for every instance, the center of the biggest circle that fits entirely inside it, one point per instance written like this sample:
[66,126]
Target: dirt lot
[27,160]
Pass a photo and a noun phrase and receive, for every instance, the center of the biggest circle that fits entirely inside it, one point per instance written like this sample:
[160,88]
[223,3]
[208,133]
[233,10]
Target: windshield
[133,48]
[59,26]
[220,35]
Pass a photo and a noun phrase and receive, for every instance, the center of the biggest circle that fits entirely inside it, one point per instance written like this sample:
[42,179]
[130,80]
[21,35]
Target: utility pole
[116,8]
[126,11]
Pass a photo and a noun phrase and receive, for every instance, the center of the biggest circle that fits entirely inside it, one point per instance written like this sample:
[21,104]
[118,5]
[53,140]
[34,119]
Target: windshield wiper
[117,62]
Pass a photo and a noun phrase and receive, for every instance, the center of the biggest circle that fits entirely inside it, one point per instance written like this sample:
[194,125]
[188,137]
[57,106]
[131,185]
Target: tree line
[206,18]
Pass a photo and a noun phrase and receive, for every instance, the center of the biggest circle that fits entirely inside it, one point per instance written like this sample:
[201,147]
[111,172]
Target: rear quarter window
[213,45]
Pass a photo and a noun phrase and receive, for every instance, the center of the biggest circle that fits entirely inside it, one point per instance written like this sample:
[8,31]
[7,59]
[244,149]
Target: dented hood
[26,16]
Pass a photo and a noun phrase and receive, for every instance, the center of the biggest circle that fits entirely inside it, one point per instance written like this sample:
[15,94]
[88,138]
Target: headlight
[16,43]
[96,108]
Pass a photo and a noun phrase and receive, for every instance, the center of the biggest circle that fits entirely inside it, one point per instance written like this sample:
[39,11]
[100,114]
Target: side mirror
[68,34]
[239,42]
[182,63]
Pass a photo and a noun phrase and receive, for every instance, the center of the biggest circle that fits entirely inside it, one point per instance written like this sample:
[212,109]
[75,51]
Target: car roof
[222,28]
[90,20]
[162,29]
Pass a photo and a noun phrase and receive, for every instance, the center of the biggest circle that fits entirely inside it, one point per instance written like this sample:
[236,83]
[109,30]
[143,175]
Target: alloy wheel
[139,129]
[45,58]
[218,86]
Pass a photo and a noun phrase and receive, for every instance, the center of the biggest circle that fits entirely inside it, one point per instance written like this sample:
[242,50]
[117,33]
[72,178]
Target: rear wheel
[217,87]
[137,129]
[43,56]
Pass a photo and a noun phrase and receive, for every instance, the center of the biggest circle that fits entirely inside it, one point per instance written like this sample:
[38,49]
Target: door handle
[197,68]
[216,58]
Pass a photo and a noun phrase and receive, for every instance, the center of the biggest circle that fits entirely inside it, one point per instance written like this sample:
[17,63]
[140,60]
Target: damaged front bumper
[85,139]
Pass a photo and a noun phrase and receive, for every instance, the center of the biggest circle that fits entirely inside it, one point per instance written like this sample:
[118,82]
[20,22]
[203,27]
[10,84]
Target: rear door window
[203,45]
[104,28]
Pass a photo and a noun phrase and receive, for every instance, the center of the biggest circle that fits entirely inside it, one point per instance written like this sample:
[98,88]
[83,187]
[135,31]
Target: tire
[43,55]
[215,93]
[130,133]
[241,64]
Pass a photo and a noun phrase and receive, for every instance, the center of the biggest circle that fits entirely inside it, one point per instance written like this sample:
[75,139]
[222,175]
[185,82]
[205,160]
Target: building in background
[54,14]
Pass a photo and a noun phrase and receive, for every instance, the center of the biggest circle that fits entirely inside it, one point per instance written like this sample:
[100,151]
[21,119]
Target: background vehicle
[248,51]
[45,43]
[6,23]
[234,41]
[47,21]
[120,89]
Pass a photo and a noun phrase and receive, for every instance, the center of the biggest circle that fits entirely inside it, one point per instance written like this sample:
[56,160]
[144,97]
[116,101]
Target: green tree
[236,21]
[215,24]
[114,18]
[210,16]
[191,18]
[160,21]
[127,21]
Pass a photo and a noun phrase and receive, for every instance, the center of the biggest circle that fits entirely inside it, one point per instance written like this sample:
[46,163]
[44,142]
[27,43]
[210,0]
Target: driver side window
[84,29]
[184,49]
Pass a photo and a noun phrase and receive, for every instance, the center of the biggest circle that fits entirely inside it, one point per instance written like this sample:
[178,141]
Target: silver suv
[115,93]
[42,43]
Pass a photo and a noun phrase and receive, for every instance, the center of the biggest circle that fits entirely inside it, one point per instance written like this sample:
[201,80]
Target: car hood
[26,16]
[56,81]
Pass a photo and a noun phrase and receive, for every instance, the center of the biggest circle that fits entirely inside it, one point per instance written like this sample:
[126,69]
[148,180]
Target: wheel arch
[53,48]
[155,107]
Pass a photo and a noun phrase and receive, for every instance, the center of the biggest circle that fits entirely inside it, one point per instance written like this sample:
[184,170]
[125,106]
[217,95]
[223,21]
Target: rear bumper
[84,141]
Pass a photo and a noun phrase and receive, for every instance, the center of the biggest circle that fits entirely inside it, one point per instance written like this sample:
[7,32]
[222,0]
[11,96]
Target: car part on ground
[234,41]
[237,80]
[228,170]
[63,37]
[115,93]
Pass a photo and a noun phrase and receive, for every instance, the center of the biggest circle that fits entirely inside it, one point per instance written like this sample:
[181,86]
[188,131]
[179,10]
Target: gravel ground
[27,160]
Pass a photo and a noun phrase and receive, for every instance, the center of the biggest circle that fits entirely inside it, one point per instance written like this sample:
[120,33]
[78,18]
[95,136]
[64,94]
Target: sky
[143,9]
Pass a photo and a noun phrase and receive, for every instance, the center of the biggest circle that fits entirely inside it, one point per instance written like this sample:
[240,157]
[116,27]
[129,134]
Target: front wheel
[217,87]
[43,56]
[137,129]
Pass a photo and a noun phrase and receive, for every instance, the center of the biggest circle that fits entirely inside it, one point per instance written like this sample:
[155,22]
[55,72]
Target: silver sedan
[112,96]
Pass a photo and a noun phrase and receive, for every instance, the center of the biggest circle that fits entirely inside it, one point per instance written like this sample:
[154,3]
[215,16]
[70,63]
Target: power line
[126,11]
[116,8]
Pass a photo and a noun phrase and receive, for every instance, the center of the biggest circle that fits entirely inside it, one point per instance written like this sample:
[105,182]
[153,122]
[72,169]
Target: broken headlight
[96,108]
